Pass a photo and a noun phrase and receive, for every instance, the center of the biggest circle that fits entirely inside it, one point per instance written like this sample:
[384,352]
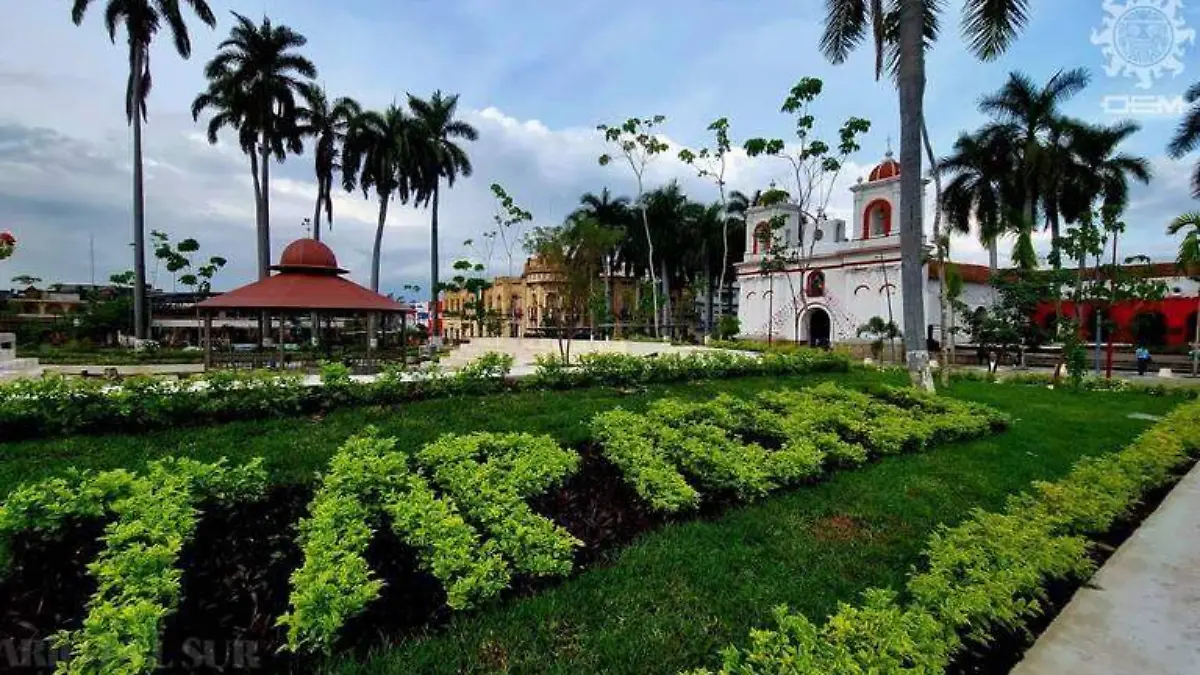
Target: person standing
[1143,359]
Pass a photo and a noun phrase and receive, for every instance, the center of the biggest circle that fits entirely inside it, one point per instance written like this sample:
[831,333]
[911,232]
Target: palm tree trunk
[433,263]
[942,256]
[912,94]
[668,319]
[264,227]
[650,260]
[140,318]
[376,252]
[316,221]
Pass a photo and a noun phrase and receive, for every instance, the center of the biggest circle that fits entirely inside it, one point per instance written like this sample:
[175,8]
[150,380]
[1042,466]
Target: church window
[877,219]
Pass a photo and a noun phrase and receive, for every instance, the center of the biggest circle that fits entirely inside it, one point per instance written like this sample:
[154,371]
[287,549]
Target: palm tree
[666,208]
[900,35]
[1187,136]
[980,188]
[1034,116]
[326,123]
[141,20]
[611,212]
[378,154]
[1189,262]
[257,70]
[439,156]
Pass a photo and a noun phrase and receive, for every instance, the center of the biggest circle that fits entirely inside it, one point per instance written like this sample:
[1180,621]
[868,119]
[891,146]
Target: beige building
[522,306]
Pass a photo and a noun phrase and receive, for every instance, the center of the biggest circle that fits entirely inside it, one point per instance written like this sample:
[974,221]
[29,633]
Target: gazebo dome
[888,168]
[308,255]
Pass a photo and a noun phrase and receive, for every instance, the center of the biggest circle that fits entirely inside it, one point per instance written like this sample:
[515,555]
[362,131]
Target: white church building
[835,275]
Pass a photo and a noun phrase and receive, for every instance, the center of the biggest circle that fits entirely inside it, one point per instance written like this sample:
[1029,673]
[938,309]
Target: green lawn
[298,447]
[679,594]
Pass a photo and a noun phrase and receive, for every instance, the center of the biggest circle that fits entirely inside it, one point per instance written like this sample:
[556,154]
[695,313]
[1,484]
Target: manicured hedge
[483,481]
[57,406]
[780,438]
[982,576]
[153,517]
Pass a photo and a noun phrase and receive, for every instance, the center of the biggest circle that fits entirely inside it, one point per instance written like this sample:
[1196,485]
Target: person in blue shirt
[1143,359]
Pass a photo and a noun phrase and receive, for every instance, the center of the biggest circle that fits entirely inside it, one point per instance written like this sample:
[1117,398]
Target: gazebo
[307,280]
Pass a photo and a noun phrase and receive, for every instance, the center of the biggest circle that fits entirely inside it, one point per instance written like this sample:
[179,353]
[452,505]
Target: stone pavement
[1140,614]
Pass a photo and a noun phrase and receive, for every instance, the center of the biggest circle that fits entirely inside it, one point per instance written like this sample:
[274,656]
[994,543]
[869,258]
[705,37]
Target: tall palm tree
[1034,115]
[666,209]
[378,155]
[228,108]
[258,69]
[980,187]
[1189,262]
[326,123]
[1187,136]
[141,20]
[611,212]
[437,133]
[901,31]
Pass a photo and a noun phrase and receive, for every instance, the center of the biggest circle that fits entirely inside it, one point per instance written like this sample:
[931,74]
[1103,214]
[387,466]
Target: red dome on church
[310,255]
[888,168]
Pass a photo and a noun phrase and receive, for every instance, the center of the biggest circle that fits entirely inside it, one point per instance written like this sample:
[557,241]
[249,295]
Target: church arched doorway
[819,327]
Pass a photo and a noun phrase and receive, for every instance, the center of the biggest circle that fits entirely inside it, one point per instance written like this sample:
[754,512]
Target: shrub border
[986,574]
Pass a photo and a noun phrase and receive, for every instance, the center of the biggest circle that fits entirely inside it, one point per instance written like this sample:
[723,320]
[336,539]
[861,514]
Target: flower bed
[55,406]
[983,577]
[752,447]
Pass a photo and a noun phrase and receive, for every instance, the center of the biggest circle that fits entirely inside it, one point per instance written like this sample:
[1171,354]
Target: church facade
[811,279]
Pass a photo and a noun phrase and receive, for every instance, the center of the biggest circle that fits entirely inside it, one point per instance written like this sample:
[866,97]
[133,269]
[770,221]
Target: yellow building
[524,305]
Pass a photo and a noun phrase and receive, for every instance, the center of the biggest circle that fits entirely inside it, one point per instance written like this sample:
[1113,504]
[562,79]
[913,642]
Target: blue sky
[535,77]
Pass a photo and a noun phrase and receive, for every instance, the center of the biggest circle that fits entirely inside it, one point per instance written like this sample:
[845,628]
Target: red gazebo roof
[307,278]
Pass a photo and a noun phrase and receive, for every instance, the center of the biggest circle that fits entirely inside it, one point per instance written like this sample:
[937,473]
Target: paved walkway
[1141,615]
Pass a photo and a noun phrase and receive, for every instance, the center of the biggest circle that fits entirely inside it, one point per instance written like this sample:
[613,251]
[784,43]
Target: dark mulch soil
[1000,655]
[236,570]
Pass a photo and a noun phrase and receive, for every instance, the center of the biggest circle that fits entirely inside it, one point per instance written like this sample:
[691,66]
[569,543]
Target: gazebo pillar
[207,341]
[403,339]
[281,341]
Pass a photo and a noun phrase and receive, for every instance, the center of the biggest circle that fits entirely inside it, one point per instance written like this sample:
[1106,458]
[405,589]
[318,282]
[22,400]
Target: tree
[254,82]
[612,212]
[815,168]
[1187,136]
[327,124]
[510,219]
[1188,261]
[711,164]
[636,141]
[879,329]
[1030,115]
[26,280]
[468,280]
[576,249]
[901,31]
[980,188]
[438,155]
[378,155]
[141,20]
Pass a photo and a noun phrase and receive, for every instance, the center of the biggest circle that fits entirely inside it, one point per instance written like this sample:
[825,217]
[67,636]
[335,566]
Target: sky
[535,78]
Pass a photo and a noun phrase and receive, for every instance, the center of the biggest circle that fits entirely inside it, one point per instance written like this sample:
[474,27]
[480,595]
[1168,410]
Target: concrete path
[1143,616]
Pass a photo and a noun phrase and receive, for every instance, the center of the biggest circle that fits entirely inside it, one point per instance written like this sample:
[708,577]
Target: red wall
[1176,310]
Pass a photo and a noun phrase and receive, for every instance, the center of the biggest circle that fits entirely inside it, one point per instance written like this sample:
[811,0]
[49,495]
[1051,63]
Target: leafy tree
[1188,261]
[1187,136]
[327,124]
[900,32]
[635,141]
[510,220]
[141,20]
[815,168]
[613,212]
[437,155]
[26,280]
[254,82]
[468,280]
[576,249]
[711,164]
[880,329]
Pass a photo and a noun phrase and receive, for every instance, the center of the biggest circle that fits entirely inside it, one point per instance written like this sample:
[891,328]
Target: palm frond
[991,25]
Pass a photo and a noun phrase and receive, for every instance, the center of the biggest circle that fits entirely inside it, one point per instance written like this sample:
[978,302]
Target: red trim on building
[1177,313]
[886,206]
